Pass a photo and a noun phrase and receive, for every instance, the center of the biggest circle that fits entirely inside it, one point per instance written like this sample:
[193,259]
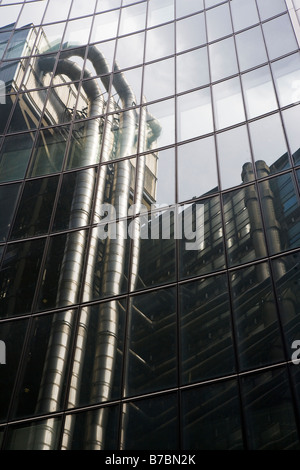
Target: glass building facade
[149,224]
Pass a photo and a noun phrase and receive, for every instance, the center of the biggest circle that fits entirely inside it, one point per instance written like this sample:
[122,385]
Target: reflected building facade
[149,224]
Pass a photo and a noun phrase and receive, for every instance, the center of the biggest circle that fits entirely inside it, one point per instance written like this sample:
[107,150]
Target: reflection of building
[126,342]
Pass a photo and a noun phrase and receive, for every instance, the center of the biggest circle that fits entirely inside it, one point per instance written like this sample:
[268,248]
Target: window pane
[190,32]
[291,118]
[281,211]
[56,10]
[96,373]
[160,190]
[18,277]
[244,13]
[251,48]
[188,7]
[133,18]
[192,69]
[159,42]
[80,8]
[32,13]
[243,224]
[268,143]
[194,114]
[197,171]
[13,334]
[233,153]
[44,379]
[269,411]
[155,423]
[8,200]
[9,15]
[259,92]
[130,50]
[14,156]
[222,59]
[279,36]
[268,8]
[228,103]
[32,436]
[218,22]
[84,425]
[202,251]
[204,304]
[159,80]
[35,208]
[287,78]
[62,274]
[211,417]
[48,152]
[152,323]
[163,114]
[83,136]
[105,26]
[255,317]
[160,11]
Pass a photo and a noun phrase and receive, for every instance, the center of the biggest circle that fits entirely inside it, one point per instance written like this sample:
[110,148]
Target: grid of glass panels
[176,120]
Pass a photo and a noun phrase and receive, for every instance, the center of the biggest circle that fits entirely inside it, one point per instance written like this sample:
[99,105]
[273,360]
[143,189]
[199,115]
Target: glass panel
[57,10]
[9,15]
[154,249]
[83,425]
[61,104]
[192,69]
[79,153]
[159,80]
[18,277]
[96,64]
[74,209]
[268,143]
[32,13]
[218,22]
[21,43]
[80,8]
[280,205]
[234,153]
[243,224]
[6,104]
[188,7]
[105,26]
[152,342]
[4,37]
[78,29]
[39,435]
[190,32]
[222,59]
[244,13]
[201,249]
[160,11]
[52,36]
[45,372]
[287,79]
[268,8]
[14,156]
[107,274]
[255,317]
[13,336]
[48,152]
[157,189]
[197,170]
[162,115]
[62,274]
[130,50]
[291,119]
[194,114]
[279,36]
[159,42]
[108,4]
[228,103]
[269,411]
[206,336]
[96,374]
[286,274]
[35,208]
[259,92]
[8,200]
[133,19]
[251,48]
[211,417]
[155,423]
